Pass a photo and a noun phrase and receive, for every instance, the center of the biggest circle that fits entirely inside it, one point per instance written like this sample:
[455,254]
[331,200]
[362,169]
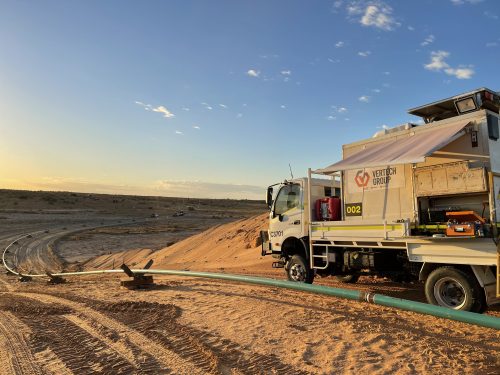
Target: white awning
[412,149]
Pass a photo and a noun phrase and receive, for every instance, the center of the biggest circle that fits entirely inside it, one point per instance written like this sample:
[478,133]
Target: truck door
[286,216]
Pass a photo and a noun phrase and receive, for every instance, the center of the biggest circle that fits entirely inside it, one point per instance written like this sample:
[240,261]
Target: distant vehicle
[415,202]
[154,216]
[178,213]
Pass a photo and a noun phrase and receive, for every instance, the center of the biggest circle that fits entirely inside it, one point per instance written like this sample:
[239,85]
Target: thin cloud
[376,91]
[253,73]
[411,28]
[364,99]
[337,4]
[185,109]
[283,106]
[438,64]
[430,39]
[491,44]
[364,53]
[196,127]
[462,2]
[160,109]
[437,61]
[339,109]
[179,132]
[333,61]
[331,118]
[460,73]
[147,107]
[286,72]
[166,113]
[491,15]
[373,14]
[239,115]
[339,44]
[223,106]
[207,106]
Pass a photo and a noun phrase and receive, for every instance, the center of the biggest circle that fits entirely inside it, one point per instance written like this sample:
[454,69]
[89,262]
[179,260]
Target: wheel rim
[450,292]
[297,272]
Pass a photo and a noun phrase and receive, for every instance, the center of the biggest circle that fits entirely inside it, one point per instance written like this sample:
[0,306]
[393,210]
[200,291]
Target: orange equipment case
[463,223]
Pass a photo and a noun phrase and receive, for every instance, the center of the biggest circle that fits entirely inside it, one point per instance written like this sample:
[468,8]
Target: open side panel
[496,215]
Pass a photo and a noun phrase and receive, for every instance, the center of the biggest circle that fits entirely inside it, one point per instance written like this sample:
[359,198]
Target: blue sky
[216,98]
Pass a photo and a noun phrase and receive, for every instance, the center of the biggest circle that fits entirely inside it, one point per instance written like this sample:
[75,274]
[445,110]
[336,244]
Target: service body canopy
[412,149]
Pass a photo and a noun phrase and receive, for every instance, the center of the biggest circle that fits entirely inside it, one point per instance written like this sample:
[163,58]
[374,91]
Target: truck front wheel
[298,270]
[454,288]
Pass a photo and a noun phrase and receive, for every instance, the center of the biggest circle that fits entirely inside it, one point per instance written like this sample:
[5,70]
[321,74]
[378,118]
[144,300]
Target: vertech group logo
[362,178]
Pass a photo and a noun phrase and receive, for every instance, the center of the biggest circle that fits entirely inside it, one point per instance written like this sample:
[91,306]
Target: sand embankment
[230,247]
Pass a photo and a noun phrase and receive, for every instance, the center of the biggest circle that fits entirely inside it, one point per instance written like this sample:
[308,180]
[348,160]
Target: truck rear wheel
[298,270]
[454,288]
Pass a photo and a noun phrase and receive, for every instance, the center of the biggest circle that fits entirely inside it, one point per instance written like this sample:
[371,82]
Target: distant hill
[29,201]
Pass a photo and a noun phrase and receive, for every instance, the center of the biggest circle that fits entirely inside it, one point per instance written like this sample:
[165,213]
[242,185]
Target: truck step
[278,264]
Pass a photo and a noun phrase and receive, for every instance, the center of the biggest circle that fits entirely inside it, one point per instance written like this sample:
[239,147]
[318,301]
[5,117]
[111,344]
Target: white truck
[415,202]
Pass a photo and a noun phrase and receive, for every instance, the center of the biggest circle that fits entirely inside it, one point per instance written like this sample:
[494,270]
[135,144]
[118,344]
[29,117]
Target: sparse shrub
[50,199]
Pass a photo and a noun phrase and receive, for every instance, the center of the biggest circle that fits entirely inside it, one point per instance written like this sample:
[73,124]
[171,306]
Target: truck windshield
[287,198]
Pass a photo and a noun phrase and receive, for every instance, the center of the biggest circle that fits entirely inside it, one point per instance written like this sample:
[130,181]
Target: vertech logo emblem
[362,178]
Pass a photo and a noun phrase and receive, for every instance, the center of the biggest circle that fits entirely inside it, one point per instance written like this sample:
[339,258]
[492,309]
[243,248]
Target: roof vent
[399,128]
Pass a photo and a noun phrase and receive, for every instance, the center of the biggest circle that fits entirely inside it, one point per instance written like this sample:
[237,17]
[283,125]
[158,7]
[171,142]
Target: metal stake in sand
[139,280]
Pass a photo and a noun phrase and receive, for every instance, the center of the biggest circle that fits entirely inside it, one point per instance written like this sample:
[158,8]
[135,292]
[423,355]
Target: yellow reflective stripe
[359,227]
[432,226]
[440,226]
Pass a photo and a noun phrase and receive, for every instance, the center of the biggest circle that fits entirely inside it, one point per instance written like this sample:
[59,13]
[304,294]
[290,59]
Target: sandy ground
[195,326]
[190,326]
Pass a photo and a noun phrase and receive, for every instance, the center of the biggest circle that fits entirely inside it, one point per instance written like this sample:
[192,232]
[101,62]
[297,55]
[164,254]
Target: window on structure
[287,199]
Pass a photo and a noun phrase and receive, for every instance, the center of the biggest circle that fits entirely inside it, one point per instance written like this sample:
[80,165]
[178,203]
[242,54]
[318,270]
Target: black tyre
[298,270]
[348,279]
[454,288]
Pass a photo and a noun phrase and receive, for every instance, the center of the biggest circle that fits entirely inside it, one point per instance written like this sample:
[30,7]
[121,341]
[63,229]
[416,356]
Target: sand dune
[232,247]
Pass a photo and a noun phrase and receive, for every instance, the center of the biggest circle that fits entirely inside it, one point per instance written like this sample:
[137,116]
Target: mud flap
[265,244]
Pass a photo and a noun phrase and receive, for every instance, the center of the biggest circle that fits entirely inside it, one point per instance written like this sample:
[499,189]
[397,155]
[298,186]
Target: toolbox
[464,223]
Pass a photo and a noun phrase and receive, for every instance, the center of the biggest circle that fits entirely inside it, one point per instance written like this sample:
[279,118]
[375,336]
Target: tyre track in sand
[101,344]
[208,352]
[15,353]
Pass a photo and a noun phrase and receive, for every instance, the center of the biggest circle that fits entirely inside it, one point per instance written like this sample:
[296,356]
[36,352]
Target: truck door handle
[296,222]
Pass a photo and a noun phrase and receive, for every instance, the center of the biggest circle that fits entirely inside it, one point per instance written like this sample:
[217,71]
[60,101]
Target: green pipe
[378,299]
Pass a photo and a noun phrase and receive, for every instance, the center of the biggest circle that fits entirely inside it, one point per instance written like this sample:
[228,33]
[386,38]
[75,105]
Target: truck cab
[287,239]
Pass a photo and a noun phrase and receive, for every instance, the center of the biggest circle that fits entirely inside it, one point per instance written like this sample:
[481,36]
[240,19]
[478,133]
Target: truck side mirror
[269,197]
